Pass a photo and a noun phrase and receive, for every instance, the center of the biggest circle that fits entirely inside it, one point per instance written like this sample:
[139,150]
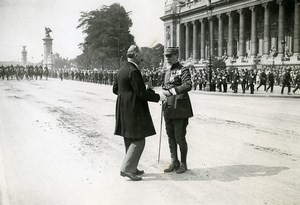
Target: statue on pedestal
[47,31]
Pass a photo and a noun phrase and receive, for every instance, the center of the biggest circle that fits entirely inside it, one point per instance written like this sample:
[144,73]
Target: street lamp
[210,54]
[283,56]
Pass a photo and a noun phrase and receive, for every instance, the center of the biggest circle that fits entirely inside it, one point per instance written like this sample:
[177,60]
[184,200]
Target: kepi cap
[171,51]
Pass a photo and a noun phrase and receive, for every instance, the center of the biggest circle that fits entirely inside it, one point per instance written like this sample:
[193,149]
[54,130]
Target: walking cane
[160,131]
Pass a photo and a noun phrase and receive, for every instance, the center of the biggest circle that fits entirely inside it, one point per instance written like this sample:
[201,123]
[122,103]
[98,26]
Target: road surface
[57,148]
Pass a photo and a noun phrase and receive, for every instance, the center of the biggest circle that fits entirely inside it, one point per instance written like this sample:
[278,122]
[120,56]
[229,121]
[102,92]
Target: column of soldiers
[23,72]
[247,79]
[220,79]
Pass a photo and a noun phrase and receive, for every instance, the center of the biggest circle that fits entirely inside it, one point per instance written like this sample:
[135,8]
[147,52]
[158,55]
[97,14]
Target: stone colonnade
[191,46]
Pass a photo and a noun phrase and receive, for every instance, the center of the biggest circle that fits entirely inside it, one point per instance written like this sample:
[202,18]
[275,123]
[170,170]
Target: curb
[246,94]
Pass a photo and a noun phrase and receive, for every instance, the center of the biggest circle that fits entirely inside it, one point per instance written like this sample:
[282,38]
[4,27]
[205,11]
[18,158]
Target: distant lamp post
[210,54]
[283,55]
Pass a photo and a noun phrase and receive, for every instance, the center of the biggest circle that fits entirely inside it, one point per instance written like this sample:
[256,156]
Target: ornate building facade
[242,32]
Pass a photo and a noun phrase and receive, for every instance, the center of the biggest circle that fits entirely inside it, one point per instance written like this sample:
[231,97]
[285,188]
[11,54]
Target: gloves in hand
[162,97]
[167,93]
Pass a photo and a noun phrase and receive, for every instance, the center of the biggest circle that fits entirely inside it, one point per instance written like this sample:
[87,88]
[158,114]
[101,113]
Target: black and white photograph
[149,102]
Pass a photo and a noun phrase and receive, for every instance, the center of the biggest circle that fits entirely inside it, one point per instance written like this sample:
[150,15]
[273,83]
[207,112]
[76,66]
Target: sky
[23,22]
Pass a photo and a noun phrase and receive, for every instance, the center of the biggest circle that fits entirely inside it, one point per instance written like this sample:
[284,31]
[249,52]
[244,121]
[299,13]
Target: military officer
[177,109]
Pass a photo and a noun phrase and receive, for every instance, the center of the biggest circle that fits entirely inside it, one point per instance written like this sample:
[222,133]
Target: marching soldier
[271,80]
[262,80]
[251,80]
[219,81]
[286,81]
[224,80]
[235,80]
[297,82]
[243,80]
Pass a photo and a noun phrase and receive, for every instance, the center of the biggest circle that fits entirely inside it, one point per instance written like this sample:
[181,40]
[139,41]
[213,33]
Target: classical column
[195,40]
[253,31]
[242,33]
[181,42]
[211,36]
[220,39]
[230,35]
[202,42]
[187,41]
[281,34]
[266,48]
[297,28]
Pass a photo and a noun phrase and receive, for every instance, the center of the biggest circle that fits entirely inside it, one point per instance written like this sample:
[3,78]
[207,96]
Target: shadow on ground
[222,173]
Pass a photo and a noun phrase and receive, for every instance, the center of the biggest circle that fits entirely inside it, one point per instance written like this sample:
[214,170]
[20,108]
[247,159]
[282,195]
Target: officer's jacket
[179,105]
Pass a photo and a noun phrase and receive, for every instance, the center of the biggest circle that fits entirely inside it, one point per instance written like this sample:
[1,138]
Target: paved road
[57,147]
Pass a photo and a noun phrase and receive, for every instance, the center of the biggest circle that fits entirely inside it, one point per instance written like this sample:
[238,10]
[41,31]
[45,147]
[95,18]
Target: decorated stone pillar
[220,36]
[48,60]
[297,28]
[241,33]
[24,56]
[202,41]
[230,34]
[253,31]
[195,40]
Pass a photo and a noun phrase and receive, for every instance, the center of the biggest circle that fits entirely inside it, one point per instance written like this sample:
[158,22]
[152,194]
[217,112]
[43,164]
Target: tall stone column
[181,42]
[281,32]
[48,61]
[195,40]
[297,29]
[242,33]
[24,56]
[253,31]
[230,35]
[174,33]
[187,41]
[266,47]
[220,39]
[202,46]
[211,36]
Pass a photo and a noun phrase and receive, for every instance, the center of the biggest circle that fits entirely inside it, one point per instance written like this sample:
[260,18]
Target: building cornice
[218,8]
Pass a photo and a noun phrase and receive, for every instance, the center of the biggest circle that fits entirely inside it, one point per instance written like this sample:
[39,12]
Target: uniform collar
[173,66]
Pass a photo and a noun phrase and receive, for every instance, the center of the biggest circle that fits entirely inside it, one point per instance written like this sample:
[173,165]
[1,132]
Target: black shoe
[131,176]
[182,168]
[172,167]
[139,172]
[293,91]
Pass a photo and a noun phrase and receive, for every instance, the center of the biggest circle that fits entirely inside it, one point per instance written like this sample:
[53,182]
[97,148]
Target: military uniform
[271,81]
[177,110]
[262,80]
[286,81]
[297,82]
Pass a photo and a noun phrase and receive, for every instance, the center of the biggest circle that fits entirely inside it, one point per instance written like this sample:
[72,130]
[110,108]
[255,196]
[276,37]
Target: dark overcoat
[133,119]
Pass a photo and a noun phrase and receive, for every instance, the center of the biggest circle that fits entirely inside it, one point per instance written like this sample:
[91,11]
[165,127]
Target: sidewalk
[259,93]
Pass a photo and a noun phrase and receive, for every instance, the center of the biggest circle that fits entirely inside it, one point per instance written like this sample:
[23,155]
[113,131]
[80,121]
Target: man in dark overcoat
[177,109]
[133,118]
